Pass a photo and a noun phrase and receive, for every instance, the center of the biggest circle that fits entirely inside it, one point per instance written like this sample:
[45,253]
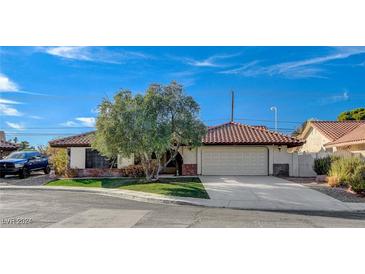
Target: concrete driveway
[36,178]
[266,192]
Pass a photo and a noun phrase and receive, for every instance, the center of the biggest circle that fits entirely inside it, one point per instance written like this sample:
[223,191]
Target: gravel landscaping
[339,193]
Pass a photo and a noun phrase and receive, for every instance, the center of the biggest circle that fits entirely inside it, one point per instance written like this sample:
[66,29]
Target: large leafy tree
[149,125]
[355,114]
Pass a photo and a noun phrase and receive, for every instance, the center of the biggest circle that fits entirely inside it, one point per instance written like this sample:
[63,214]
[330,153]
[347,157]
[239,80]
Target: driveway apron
[266,192]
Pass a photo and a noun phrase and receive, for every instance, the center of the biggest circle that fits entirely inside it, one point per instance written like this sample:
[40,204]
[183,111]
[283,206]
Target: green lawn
[183,187]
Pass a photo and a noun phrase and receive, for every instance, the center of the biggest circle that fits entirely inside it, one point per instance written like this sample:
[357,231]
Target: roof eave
[342,144]
[254,143]
[68,145]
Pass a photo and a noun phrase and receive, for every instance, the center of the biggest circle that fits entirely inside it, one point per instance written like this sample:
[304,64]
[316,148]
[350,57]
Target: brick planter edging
[189,169]
[95,172]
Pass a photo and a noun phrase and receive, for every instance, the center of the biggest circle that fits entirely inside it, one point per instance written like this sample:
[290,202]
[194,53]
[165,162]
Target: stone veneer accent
[189,169]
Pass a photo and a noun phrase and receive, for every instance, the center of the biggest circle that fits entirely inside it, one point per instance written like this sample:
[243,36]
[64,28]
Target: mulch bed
[339,193]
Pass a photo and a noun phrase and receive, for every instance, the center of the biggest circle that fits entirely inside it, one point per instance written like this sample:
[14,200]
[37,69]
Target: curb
[159,199]
[125,194]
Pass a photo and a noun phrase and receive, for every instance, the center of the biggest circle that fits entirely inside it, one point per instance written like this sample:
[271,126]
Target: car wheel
[23,173]
[47,170]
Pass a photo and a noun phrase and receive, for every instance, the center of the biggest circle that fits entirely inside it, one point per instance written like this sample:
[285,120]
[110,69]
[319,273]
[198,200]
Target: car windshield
[16,155]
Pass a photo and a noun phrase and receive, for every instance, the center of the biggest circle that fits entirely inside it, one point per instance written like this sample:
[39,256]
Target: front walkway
[267,192]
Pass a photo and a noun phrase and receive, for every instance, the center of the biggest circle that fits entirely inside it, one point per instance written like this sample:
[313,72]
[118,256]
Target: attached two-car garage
[234,160]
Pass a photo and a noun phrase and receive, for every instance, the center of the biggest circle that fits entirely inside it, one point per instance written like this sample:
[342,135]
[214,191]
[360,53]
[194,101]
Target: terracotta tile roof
[239,134]
[334,130]
[260,127]
[356,136]
[230,134]
[5,145]
[81,140]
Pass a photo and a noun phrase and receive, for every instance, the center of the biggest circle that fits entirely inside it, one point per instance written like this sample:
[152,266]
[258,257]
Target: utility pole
[232,109]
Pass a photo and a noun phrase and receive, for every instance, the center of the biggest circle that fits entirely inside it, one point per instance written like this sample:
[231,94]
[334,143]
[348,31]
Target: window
[95,160]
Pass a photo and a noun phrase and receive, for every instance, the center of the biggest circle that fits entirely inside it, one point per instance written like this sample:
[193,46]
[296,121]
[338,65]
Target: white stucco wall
[276,156]
[77,157]
[193,156]
[356,149]
[282,156]
[123,161]
[189,155]
[198,160]
[314,142]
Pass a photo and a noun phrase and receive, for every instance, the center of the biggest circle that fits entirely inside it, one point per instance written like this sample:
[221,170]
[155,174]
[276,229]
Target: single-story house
[228,149]
[6,147]
[332,136]
[354,141]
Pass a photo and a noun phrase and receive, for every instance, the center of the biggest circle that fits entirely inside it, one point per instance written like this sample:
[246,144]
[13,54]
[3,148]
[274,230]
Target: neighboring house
[353,141]
[227,149]
[332,136]
[6,147]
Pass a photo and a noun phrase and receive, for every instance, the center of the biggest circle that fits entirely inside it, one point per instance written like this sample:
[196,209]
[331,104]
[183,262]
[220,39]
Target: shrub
[59,160]
[322,165]
[356,179]
[133,171]
[333,181]
[71,173]
[344,169]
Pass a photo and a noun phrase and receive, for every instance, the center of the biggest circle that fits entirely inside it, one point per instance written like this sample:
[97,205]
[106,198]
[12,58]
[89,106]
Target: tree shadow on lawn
[181,187]
[116,183]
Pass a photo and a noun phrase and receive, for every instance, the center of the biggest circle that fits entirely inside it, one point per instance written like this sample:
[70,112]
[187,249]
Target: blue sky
[46,92]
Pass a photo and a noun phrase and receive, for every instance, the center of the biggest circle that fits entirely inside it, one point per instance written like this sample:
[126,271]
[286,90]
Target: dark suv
[22,163]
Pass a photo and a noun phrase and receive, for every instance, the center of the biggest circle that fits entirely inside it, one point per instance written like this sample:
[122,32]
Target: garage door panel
[234,161]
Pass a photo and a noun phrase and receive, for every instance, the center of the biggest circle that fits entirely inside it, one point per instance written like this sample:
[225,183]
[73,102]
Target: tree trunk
[172,157]
[157,176]
[146,162]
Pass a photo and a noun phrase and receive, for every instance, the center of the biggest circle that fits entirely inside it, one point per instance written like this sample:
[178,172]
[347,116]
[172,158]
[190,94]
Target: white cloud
[212,61]
[69,124]
[6,84]
[80,121]
[9,102]
[94,54]
[339,98]
[9,111]
[78,53]
[16,126]
[344,96]
[307,68]
[87,121]
[36,117]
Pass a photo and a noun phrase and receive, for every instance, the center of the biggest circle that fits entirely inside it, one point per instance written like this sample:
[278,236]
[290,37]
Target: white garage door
[234,161]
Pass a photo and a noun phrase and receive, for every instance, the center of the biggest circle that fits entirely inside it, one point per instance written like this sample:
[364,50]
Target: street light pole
[232,107]
[275,109]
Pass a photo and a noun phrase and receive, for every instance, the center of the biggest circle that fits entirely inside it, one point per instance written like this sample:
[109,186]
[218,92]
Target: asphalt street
[52,208]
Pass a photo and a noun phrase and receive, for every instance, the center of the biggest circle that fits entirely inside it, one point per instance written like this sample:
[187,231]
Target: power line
[208,120]
[73,133]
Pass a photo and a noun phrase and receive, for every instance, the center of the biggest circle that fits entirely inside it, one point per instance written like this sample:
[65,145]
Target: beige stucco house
[332,136]
[228,149]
